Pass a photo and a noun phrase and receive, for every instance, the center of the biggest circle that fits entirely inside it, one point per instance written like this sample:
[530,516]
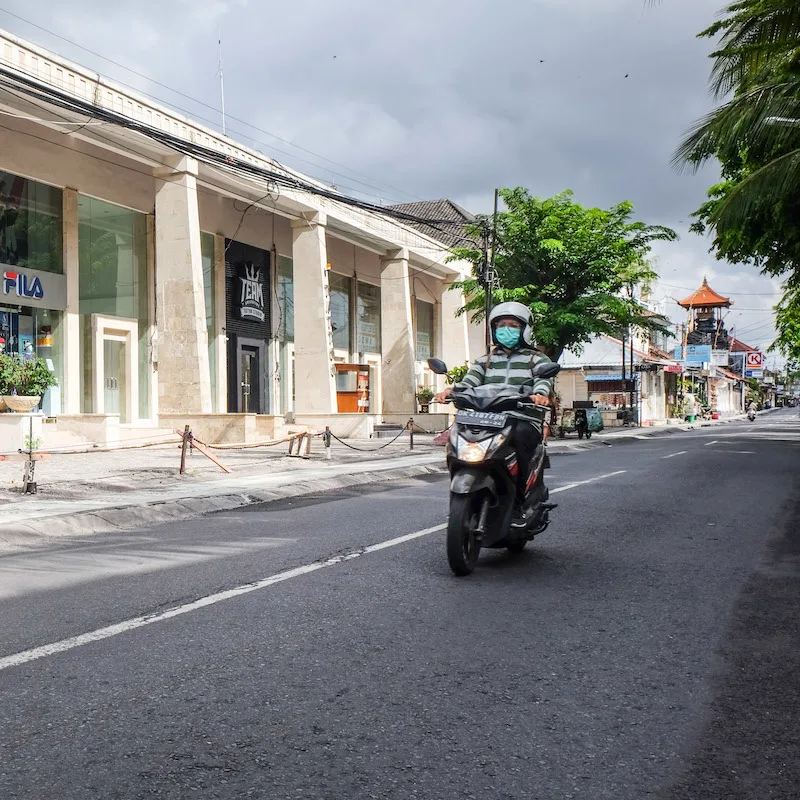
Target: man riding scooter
[511,362]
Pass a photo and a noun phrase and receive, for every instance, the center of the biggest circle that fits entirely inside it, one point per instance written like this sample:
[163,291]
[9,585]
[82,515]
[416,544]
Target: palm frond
[773,184]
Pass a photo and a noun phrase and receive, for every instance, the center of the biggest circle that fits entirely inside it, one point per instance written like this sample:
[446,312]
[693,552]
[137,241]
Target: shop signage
[755,360]
[673,368]
[251,301]
[614,377]
[720,358]
[693,353]
[367,337]
[31,287]
[646,367]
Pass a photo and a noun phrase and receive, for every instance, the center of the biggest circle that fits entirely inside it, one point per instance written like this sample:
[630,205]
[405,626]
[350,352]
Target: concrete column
[71,325]
[315,384]
[397,336]
[455,336]
[184,384]
[152,330]
[220,322]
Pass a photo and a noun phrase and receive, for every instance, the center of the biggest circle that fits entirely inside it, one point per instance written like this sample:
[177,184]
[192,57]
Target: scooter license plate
[484,419]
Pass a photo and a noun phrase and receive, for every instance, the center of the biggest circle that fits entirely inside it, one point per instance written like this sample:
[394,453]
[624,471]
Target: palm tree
[758,63]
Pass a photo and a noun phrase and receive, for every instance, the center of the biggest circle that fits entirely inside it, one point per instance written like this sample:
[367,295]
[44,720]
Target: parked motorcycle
[483,467]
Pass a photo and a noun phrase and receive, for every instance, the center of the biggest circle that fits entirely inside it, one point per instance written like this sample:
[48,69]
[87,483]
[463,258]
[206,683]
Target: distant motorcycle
[751,414]
[483,467]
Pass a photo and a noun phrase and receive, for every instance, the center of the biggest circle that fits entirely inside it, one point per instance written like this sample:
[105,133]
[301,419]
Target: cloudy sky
[439,98]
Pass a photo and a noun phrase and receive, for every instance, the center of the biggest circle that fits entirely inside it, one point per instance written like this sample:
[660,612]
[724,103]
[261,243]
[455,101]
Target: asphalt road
[645,646]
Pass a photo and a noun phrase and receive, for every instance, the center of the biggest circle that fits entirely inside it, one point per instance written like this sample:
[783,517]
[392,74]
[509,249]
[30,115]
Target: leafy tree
[574,267]
[754,213]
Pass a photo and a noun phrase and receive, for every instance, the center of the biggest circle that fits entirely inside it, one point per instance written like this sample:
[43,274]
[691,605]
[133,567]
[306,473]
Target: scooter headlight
[472,452]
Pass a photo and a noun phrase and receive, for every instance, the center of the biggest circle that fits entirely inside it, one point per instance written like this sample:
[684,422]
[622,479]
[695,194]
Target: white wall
[259,228]
[36,152]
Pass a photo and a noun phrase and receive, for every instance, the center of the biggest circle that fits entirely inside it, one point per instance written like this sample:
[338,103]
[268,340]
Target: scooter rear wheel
[463,547]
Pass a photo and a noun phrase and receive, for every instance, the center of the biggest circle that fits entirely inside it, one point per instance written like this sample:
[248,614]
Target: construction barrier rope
[369,449]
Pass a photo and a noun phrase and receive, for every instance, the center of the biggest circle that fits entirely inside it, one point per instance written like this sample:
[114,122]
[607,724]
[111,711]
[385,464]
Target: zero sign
[755,360]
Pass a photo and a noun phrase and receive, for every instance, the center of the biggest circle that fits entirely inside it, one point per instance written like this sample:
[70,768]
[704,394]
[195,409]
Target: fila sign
[31,287]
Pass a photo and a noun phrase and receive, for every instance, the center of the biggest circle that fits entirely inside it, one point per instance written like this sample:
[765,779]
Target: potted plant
[23,382]
[424,397]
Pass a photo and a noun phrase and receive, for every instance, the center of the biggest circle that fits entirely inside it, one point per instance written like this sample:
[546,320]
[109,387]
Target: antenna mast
[222,85]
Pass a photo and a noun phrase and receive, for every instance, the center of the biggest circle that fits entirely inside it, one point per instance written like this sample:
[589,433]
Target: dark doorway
[247,390]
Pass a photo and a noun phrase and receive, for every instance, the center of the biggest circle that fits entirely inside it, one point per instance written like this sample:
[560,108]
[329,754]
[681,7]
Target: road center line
[591,480]
[708,444]
[672,455]
[98,635]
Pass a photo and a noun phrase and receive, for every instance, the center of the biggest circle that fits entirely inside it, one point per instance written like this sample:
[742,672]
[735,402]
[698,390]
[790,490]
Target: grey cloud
[438,97]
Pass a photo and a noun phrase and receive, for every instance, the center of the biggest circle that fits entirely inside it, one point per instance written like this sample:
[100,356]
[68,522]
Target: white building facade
[167,279]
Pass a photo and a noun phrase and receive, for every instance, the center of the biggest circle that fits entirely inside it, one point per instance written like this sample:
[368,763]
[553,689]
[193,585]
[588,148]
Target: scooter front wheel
[463,547]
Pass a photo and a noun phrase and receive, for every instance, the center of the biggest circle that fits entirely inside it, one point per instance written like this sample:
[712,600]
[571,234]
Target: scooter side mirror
[547,369]
[437,366]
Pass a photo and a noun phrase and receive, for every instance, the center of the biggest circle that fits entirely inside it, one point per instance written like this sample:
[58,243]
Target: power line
[217,110]
[32,88]
[730,294]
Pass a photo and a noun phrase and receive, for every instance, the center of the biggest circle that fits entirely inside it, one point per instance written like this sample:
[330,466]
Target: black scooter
[483,470]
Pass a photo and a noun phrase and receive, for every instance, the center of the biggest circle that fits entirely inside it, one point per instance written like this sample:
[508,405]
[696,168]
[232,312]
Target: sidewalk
[80,494]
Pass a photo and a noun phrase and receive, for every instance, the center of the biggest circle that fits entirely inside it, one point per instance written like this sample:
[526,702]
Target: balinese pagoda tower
[705,327]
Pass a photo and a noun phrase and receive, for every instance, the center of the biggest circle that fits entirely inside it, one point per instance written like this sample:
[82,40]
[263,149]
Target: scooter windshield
[489,397]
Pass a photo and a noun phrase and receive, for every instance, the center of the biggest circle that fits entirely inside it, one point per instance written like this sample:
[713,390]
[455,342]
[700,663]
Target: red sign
[755,360]
[673,368]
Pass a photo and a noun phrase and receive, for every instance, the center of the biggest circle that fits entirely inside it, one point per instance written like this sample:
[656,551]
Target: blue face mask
[507,337]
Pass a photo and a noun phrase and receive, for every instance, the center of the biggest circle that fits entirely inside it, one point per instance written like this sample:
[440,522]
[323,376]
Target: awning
[617,377]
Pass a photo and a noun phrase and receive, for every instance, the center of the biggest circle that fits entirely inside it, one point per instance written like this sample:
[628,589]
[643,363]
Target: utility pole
[633,405]
[222,84]
[488,277]
[624,392]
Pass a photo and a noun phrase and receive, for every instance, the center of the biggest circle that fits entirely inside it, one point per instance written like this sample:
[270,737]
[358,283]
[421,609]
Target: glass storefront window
[27,332]
[285,288]
[424,336]
[112,247]
[30,224]
[369,318]
[208,258]
[341,290]
[286,299]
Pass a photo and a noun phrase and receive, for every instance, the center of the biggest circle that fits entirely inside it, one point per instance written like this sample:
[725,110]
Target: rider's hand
[540,399]
[442,396]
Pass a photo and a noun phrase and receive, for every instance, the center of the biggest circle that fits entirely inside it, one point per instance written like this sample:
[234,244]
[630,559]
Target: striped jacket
[512,369]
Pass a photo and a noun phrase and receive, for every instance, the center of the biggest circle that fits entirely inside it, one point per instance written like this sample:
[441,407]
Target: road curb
[34,535]
[640,435]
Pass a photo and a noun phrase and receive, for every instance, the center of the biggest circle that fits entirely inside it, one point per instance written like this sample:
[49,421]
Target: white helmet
[518,311]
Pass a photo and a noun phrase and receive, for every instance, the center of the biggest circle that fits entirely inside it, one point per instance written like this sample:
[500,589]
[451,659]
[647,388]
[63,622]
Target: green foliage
[754,213]
[25,377]
[571,265]
[35,378]
[9,373]
[32,444]
[456,374]
[425,396]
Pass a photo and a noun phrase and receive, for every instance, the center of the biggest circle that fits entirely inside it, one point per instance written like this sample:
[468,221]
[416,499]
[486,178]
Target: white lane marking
[672,455]
[98,635]
[708,444]
[591,480]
